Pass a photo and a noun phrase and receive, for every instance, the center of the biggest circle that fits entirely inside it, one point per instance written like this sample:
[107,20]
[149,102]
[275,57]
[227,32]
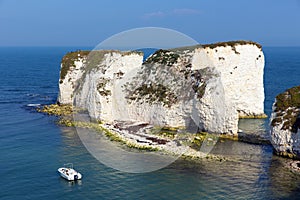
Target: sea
[33,146]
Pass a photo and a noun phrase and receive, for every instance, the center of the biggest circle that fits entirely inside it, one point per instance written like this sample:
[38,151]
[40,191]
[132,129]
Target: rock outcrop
[211,85]
[285,123]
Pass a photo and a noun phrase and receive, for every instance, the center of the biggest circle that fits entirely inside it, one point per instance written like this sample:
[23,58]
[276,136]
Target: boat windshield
[68,165]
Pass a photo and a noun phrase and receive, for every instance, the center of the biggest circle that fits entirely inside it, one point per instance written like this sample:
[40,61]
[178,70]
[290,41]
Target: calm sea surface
[32,146]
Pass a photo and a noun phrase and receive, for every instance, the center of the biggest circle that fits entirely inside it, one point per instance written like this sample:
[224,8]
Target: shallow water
[32,146]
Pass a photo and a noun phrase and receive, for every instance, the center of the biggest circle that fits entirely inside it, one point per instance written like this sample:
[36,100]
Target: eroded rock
[284,123]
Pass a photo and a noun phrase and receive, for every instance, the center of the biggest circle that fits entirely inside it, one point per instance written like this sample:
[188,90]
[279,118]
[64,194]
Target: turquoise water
[32,146]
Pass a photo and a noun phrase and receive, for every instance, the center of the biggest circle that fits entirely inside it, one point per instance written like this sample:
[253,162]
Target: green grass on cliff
[154,93]
[68,62]
[164,57]
[231,44]
[94,59]
[287,109]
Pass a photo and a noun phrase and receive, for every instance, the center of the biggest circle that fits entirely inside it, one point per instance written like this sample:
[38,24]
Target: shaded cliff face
[285,123]
[210,86]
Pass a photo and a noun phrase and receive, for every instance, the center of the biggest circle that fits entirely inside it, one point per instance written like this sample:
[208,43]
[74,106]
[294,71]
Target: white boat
[69,173]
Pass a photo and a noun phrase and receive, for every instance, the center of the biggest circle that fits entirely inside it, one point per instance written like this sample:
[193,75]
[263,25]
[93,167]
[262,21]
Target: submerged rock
[285,123]
[211,85]
[57,110]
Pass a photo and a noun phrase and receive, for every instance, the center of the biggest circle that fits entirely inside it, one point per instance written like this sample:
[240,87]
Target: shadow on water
[284,184]
[254,131]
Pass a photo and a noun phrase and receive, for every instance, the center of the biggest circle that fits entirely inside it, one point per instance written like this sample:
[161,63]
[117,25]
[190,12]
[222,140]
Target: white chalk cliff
[285,123]
[210,85]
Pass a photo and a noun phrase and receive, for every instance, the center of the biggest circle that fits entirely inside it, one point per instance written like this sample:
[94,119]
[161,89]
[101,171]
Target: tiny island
[155,105]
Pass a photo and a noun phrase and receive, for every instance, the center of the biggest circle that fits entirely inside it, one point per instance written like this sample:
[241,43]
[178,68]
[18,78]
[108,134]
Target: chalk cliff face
[285,123]
[241,66]
[211,85]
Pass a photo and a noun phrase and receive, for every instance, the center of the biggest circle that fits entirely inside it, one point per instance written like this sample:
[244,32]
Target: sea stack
[214,85]
[285,123]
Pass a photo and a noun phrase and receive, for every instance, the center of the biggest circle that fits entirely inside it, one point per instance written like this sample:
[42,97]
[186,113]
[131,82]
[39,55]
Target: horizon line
[92,47]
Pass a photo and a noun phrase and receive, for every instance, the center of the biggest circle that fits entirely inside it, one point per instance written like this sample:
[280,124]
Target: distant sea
[33,146]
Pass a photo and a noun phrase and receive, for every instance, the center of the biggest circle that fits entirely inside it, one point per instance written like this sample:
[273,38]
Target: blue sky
[86,23]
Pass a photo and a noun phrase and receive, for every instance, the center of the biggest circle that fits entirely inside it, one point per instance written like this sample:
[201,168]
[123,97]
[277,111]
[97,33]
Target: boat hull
[69,174]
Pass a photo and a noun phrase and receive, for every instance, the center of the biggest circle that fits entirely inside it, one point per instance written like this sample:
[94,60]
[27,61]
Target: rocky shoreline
[167,140]
[145,137]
